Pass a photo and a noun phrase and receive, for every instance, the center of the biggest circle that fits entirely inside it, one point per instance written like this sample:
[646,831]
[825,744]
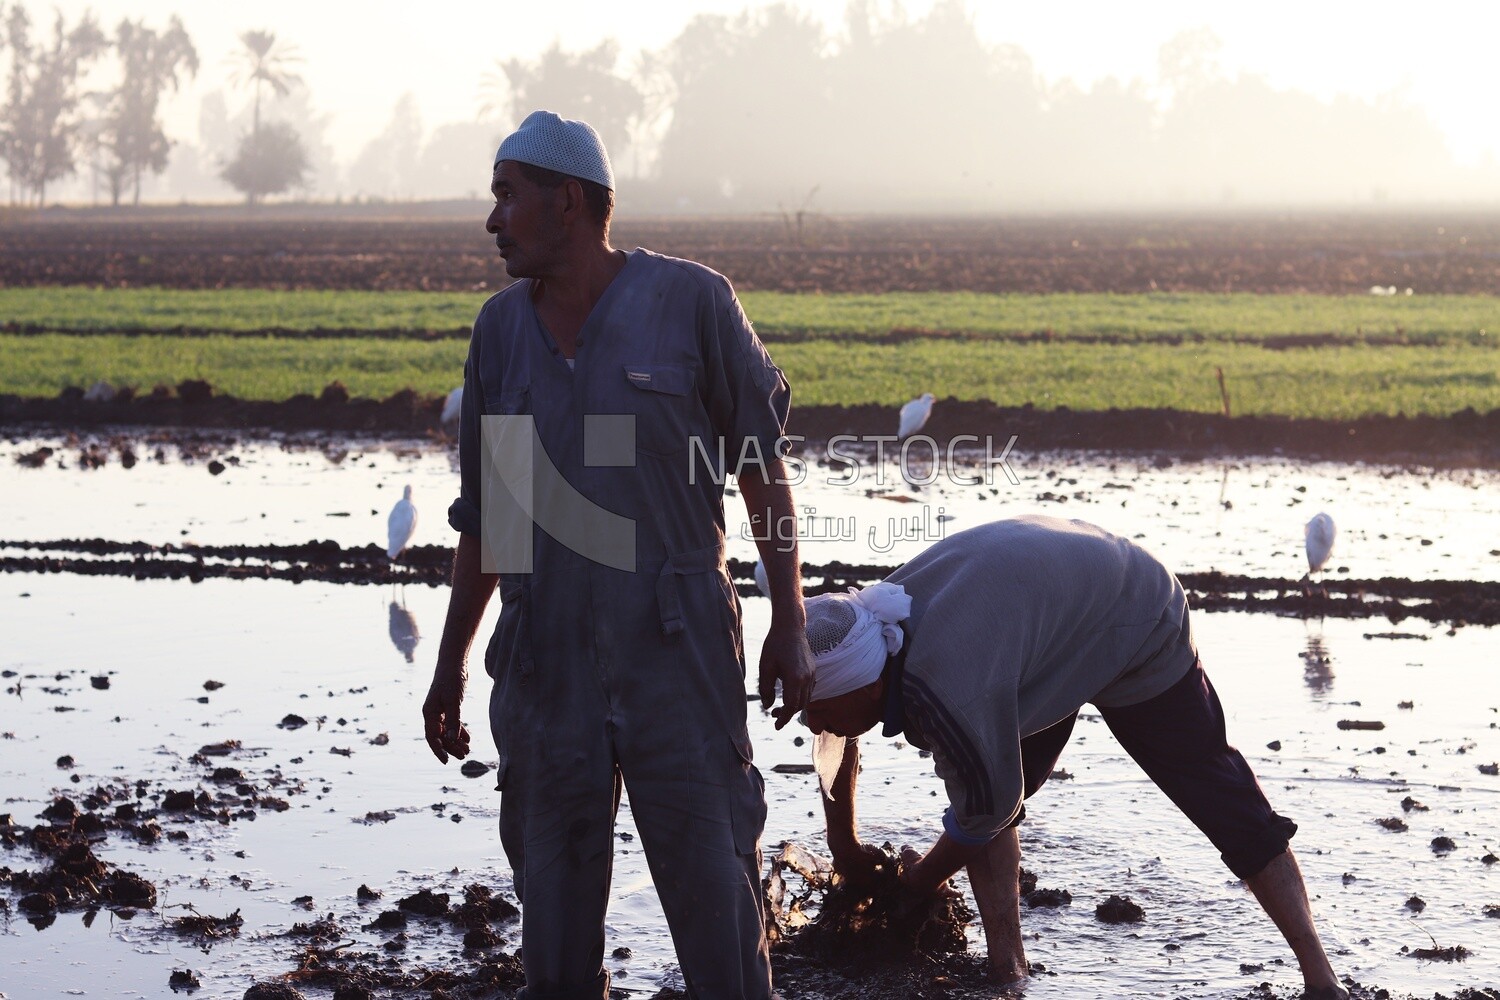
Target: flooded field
[135,681]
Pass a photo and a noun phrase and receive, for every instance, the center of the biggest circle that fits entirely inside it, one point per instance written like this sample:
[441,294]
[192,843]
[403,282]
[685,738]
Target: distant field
[1334,382]
[1418,319]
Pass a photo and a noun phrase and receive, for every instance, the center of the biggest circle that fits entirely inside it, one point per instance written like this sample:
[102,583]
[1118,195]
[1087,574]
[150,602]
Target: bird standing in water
[1319,535]
[401,525]
[453,407]
[915,414]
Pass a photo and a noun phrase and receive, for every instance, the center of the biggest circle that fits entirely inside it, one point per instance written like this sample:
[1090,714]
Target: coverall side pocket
[747,800]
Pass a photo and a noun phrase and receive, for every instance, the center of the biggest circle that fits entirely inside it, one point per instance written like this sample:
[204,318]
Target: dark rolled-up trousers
[1178,739]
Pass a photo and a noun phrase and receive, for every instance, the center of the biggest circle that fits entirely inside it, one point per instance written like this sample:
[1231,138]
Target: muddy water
[328,654]
[1244,516]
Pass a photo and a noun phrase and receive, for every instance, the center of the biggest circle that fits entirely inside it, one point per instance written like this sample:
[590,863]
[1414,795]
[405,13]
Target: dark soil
[1455,602]
[1468,438]
[879,922]
[324,248]
[1119,910]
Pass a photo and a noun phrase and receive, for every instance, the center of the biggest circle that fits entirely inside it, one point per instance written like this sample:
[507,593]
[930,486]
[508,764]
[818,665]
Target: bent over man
[982,649]
[617,660]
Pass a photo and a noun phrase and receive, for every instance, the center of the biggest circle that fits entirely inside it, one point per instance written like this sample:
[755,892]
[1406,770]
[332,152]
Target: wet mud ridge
[1467,438]
[1453,602]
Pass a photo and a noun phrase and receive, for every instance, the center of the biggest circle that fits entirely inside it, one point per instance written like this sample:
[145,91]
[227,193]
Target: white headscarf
[857,660]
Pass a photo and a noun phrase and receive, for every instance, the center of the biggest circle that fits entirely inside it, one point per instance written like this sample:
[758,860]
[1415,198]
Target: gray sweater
[1014,626]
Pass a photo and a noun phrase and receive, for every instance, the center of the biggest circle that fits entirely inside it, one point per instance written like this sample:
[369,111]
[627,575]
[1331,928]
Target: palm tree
[263,64]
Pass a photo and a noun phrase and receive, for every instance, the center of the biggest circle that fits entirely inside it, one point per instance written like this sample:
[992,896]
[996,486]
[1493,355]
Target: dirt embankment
[1454,602]
[1465,439]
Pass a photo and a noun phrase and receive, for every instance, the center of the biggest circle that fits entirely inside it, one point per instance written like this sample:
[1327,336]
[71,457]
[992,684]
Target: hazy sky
[358,60]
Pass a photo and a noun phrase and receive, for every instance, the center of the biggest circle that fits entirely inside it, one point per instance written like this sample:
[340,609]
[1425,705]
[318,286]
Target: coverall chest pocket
[508,402]
[661,399]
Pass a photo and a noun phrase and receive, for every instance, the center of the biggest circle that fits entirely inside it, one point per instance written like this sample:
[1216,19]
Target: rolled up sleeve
[747,395]
[463,513]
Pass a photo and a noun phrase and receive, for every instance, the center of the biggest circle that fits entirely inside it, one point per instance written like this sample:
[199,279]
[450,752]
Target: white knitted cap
[561,144]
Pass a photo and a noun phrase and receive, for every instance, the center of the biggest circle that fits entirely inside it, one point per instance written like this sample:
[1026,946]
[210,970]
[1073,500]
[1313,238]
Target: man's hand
[859,865]
[446,733]
[786,657]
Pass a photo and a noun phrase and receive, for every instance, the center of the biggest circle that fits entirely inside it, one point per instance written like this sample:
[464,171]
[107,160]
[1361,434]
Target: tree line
[52,121]
[889,112]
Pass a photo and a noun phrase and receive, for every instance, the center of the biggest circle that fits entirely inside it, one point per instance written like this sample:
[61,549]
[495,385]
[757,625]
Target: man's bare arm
[471,592]
[853,860]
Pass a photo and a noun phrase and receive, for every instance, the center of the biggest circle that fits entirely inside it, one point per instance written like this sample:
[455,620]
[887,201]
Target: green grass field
[1160,350]
[1440,319]
[1335,382]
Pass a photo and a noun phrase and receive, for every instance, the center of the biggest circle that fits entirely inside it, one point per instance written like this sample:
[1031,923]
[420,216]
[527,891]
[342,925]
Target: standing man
[981,650]
[611,670]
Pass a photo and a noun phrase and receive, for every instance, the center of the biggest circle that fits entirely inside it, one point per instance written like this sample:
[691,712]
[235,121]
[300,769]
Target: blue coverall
[604,674]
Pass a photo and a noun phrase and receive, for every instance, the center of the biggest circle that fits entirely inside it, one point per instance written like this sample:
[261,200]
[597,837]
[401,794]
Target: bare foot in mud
[1326,993]
[1010,981]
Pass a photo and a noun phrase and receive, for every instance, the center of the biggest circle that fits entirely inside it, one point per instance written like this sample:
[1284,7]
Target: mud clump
[62,809]
[1457,953]
[194,392]
[481,907]
[425,903]
[1119,910]
[325,928]
[481,938]
[76,879]
[334,394]
[390,920]
[1047,898]
[206,927]
[184,979]
[124,888]
[881,922]
[274,991]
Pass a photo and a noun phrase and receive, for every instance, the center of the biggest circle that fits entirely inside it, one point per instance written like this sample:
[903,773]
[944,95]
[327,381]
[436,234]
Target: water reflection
[404,632]
[1317,664]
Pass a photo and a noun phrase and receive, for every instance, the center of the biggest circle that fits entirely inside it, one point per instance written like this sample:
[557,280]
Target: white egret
[761,580]
[914,415]
[1319,534]
[401,525]
[453,406]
